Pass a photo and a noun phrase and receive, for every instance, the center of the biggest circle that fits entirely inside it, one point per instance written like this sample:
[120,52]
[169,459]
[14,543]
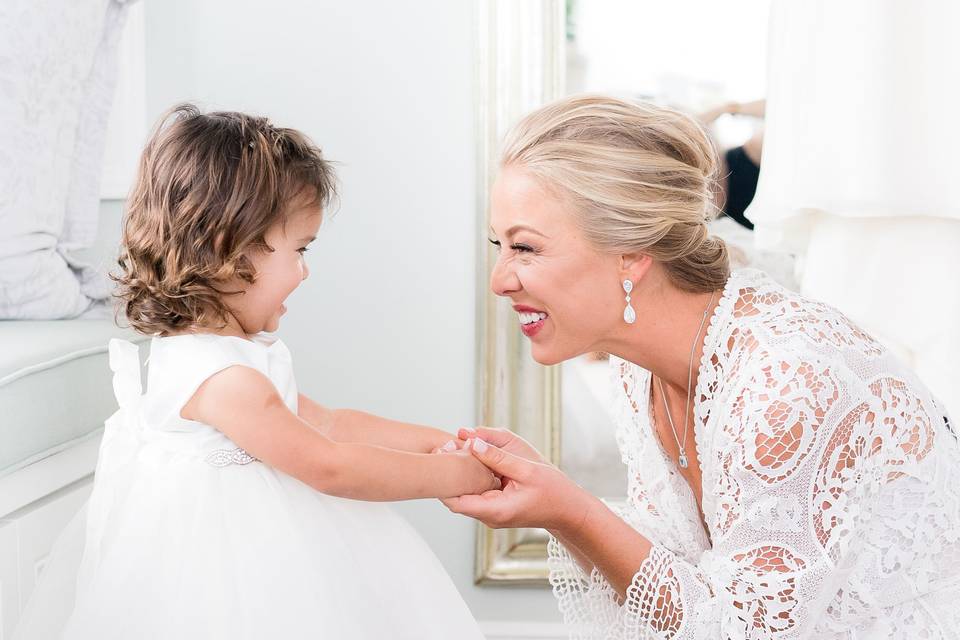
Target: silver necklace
[682,446]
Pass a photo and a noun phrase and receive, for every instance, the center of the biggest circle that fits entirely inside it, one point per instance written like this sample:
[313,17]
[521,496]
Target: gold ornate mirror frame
[520,66]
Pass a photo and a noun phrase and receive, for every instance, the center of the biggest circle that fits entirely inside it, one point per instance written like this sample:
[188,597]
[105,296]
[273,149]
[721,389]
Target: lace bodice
[830,490]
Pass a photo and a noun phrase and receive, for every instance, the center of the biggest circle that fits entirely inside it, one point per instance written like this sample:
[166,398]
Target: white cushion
[55,386]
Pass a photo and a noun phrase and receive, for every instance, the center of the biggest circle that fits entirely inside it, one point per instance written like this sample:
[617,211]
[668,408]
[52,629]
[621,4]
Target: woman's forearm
[598,537]
[574,552]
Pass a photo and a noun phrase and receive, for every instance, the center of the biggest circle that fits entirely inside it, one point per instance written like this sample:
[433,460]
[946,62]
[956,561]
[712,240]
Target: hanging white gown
[831,491]
[859,169]
[187,536]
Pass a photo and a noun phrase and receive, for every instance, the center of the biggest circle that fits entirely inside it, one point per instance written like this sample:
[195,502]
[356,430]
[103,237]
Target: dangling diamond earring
[629,315]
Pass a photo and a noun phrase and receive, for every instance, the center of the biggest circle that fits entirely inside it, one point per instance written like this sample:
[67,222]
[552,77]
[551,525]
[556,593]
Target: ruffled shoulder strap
[125,364]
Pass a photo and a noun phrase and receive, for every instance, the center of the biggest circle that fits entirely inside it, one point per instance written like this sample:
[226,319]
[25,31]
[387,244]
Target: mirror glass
[714,68]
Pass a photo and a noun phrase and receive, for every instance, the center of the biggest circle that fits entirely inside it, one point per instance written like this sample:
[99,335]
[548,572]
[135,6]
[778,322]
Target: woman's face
[568,296]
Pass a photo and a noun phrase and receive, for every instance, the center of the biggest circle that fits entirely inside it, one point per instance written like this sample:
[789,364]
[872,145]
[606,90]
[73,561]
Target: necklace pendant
[683,460]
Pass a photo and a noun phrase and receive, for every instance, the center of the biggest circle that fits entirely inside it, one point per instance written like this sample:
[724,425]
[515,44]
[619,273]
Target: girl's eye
[302,250]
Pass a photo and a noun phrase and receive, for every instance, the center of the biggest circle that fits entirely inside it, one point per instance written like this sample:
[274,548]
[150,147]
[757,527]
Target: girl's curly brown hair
[209,187]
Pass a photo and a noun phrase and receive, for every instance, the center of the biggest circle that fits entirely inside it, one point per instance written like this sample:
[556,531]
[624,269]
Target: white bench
[55,393]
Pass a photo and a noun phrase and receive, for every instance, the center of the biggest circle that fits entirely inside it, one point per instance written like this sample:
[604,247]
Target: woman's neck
[668,323]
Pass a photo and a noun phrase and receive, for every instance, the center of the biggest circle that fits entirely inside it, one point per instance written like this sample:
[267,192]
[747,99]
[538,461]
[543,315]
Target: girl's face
[278,272]
[567,294]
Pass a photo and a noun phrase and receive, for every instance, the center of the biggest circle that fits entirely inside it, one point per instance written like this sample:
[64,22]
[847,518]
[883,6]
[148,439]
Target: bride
[788,476]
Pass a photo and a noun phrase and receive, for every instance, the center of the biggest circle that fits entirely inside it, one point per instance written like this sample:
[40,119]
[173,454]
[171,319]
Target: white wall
[386,321]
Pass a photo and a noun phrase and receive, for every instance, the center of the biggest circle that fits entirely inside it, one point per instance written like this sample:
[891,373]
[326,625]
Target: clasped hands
[533,492]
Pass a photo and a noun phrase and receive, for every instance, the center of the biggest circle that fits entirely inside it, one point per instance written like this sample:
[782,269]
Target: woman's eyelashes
[303,250]
[516,246]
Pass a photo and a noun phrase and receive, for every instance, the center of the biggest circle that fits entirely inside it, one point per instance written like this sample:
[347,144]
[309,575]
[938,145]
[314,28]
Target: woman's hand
[534,493]
[504,439]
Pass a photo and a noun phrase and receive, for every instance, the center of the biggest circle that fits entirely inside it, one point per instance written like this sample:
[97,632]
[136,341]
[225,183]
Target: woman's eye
[518,247]
[302,250]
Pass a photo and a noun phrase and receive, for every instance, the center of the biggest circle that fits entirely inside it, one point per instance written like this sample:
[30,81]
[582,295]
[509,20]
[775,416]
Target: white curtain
[861,116]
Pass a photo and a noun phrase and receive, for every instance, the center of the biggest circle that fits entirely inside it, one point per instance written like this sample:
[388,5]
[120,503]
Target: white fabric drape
[861,114]
[57,73]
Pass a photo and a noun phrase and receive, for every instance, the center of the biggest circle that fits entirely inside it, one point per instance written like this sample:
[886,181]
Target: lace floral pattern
[831,491]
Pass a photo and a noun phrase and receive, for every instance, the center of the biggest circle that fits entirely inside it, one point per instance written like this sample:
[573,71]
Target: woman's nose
[503,279]
[304,269]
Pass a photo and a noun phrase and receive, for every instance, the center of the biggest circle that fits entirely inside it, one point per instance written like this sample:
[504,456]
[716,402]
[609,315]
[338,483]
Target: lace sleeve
[794,466]
[592,610]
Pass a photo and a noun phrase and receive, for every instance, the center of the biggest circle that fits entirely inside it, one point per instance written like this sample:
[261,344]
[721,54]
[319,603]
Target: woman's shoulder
[781,346]
[772,319]
[776,345]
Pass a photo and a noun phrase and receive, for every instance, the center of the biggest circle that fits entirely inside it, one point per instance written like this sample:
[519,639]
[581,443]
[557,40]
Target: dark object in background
[742,176]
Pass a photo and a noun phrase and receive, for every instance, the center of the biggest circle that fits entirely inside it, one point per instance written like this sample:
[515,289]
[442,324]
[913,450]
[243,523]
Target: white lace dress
[853,531]
[186,536]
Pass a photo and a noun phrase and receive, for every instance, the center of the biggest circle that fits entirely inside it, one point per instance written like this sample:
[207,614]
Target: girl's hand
[450,446]
[504,439]
[479,478]
[534,494]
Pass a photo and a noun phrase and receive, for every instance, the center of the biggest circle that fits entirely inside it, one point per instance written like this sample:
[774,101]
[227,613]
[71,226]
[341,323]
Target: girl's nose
[304,269]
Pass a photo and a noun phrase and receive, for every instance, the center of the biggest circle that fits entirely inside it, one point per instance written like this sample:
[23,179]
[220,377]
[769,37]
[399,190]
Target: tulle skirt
[171,547]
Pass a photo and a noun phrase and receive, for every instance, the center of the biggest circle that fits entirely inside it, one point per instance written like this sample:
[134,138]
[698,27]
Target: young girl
[220,507]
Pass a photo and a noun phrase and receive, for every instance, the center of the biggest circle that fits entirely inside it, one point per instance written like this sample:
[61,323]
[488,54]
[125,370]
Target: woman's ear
[634,266]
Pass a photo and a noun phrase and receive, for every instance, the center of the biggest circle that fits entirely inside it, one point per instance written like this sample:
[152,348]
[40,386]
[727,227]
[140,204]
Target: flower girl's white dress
[187,536]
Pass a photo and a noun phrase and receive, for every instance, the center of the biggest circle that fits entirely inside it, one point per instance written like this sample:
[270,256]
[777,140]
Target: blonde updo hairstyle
[640,177]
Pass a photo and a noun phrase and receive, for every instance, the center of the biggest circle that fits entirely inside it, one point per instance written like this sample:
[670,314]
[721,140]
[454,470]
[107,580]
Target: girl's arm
[244,405]
[348,425]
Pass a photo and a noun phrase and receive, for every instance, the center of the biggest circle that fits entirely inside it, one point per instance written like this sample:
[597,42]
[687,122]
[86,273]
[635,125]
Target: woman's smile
[531,320]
